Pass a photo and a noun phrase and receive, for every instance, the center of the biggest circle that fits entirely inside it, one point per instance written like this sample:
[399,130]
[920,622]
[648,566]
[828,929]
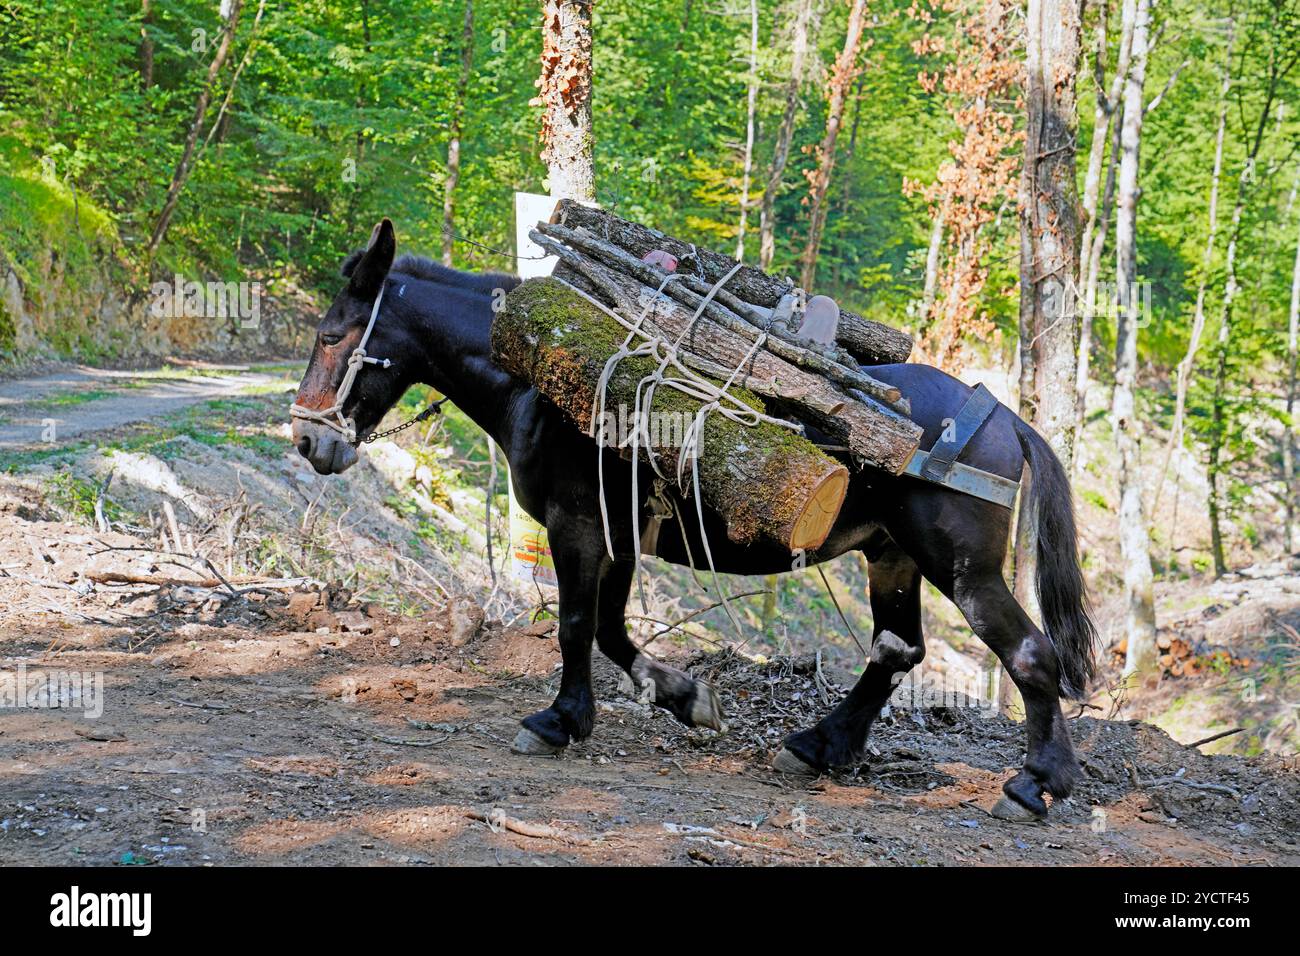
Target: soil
[297,728]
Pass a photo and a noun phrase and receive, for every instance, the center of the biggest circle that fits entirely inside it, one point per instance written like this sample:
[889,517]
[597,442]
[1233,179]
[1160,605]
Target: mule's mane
[422,267]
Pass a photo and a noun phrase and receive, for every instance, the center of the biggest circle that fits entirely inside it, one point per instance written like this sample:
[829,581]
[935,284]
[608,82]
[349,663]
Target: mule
[434,323]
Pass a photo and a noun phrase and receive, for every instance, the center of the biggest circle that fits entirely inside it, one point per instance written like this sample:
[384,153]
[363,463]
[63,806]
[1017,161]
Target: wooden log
[875,435]
[765,480]
[871,343]
[810,355]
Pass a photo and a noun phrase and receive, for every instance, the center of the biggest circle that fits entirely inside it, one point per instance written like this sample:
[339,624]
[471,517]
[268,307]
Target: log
[871,343]
[875,435]
[765,480]
[838,367]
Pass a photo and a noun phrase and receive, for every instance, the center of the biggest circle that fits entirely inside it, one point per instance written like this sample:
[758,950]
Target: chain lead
[434,409]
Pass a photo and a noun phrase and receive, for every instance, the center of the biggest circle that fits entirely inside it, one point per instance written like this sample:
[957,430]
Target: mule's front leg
[573,713]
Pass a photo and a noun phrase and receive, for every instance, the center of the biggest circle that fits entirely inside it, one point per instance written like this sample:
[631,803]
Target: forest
[1091,208]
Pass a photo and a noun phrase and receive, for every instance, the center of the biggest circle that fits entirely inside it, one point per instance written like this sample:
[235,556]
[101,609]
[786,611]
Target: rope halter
[333,417]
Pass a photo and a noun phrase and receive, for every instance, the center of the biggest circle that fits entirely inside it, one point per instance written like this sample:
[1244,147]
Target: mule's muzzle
[325,448]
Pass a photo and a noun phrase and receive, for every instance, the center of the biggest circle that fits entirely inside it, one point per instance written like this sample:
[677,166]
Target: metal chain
[434,409]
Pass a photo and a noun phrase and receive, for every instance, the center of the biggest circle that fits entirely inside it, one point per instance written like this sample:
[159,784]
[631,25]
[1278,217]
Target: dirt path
[224,746]
[274,728]
[79,400]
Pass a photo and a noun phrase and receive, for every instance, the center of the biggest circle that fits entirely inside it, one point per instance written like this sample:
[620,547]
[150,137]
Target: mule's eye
[330,339]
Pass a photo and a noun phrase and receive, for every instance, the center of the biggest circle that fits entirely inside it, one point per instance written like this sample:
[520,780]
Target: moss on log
[766,481]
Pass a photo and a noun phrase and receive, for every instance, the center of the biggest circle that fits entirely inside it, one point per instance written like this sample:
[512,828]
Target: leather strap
[954,438]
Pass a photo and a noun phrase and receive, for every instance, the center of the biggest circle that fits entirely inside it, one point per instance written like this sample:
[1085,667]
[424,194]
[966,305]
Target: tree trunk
[765,480]
[1278,68]
[565,95]
[784,136]
[146,47]
[932,264]
[453,144]
[1091,247]
[1049,199]
[846,68]
[1217,420]
[1135,542]
[1185,365]
[752,99]
[183,169]
[1083,379]
[1049,263]
[1290,432]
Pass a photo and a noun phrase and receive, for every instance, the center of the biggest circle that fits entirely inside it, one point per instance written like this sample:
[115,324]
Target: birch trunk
[784,136]
[453,144]
[752,99]
[1090,249]
[841,80]
[1135,543]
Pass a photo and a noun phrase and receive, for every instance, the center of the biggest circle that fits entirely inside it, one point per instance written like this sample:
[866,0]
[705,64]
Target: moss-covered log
[765,480]
[875,434]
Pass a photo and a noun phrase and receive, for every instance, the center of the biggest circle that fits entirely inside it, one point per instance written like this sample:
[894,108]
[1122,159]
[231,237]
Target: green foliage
[341,114]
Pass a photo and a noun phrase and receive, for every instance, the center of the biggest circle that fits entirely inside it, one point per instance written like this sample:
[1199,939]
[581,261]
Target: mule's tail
[1062,593]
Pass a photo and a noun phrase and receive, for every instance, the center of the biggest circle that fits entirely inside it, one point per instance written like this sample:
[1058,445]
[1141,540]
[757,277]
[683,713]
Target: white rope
[333,417]
[688,382]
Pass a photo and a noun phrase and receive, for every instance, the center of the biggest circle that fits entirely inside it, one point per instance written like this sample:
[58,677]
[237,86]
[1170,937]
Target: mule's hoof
[1013,812]
[706,708]
[531,745]
[787,762]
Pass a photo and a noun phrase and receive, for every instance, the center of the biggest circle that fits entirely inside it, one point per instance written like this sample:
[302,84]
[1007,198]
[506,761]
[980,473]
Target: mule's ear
[369,274]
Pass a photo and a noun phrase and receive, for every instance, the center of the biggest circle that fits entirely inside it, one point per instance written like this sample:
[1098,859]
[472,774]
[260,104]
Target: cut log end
[813,525]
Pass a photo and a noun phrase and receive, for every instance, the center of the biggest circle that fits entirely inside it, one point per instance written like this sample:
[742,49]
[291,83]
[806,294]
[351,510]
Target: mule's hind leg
[1028,656]
[897,646]
[690,700]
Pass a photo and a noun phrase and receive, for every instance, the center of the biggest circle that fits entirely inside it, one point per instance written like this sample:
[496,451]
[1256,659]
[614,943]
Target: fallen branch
[497,821]
[1218,736]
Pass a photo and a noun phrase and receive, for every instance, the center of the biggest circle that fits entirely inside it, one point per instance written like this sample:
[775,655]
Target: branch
[1168,86]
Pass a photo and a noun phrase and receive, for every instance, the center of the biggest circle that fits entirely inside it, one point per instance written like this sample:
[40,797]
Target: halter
[332,417]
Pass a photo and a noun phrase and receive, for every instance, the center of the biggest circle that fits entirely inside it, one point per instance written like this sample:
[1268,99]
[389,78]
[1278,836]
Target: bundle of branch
[764,478]
[750,293]
[813,384]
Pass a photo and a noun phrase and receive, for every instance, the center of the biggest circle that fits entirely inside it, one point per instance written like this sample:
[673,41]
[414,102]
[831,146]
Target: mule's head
[329,440]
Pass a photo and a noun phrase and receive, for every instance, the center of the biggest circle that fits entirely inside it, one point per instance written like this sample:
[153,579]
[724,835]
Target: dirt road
[78,400]
[271,728]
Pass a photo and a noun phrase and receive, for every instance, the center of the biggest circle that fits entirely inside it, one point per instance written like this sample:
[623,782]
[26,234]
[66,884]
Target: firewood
[781,341]
[870,342]
[875,435]
[765,480]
